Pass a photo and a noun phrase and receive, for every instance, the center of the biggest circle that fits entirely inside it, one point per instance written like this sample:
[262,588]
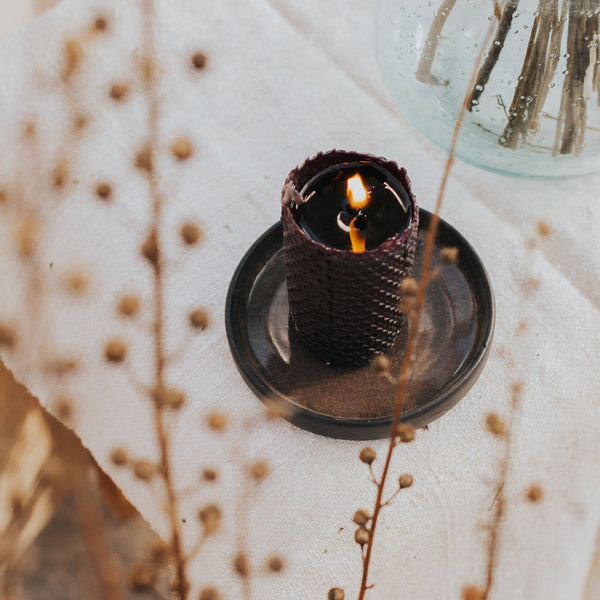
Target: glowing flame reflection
[357,195]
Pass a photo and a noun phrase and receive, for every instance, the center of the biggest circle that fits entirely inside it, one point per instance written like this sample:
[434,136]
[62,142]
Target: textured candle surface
[344,305]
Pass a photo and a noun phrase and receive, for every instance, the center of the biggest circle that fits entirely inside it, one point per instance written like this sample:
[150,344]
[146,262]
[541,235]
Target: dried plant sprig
[181,149]
[581,76]
[115,351]
[241,566]
[31,219]
[472,592]
[275,564]
[151,251]
[101,24]
[423,73]
[118,91]
[209,474]
[493,54]
[217,421]
[583,28]
[541,59]
[404,481]
[199,319]
[190,233]
[502,429]
[210,517]
[361,517]
[128,305]
[367,455]
[209,594]
[413,329]
[535,493]
[199,60]
[104,191]
[495,425]
[76,282]
[500,501]
[119,457]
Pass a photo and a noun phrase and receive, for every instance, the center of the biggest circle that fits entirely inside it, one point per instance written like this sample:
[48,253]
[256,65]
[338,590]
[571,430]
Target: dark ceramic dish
[453,342]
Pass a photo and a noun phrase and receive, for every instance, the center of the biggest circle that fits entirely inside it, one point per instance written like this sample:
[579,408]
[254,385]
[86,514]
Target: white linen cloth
[283,81]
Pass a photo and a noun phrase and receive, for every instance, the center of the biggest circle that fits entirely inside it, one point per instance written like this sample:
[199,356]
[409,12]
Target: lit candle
[350,226]
[353,206]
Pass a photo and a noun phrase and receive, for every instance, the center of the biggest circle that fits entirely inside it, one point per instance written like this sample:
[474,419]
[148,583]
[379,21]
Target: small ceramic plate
[453,342]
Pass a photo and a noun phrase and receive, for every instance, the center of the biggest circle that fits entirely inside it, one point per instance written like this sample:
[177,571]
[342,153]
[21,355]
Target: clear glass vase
[534,109]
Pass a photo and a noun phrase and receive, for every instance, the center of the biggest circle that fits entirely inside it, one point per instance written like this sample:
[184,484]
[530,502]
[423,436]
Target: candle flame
[357,194]
[358,237]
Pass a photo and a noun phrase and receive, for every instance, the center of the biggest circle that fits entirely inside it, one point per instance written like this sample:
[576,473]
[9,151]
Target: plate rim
[446,397]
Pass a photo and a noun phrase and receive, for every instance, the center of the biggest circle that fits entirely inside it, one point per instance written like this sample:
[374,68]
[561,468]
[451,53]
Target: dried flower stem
[541,60]
[553,57]
[423,73]
[583,28]
[241,542]
[159,308]
[493,54]
[245,501]
[500,501]
[581,76]
[410,344]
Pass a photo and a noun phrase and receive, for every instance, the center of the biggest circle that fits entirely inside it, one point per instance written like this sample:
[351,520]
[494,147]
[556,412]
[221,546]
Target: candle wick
[360,221]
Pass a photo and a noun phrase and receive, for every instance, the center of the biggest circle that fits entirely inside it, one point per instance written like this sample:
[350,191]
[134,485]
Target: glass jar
[534,109]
